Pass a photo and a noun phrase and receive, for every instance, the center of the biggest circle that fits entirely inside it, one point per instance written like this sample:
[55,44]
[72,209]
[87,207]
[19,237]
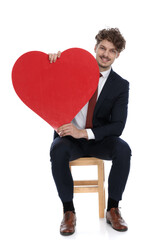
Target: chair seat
[90,186]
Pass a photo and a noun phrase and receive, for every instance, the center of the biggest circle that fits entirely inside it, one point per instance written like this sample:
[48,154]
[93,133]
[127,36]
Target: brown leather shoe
[114,218]
[68,223]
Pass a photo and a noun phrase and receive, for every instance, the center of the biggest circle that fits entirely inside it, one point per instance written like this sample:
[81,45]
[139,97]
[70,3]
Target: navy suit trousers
[66,149]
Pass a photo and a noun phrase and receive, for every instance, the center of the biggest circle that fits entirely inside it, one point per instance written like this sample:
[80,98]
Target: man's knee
[59,148]
[122,149]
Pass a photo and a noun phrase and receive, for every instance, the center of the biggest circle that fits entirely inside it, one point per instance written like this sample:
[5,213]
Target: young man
[98,137]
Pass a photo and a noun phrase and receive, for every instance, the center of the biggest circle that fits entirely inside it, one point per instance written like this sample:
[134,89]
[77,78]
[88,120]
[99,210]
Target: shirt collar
[105,74]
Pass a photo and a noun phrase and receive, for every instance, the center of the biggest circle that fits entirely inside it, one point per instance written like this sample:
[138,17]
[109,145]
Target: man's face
[106,53]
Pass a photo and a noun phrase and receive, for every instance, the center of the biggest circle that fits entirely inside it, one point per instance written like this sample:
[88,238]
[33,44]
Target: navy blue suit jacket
[110,112]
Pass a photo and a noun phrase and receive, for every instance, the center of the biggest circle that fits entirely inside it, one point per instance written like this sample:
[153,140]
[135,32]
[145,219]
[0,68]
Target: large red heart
[57,91]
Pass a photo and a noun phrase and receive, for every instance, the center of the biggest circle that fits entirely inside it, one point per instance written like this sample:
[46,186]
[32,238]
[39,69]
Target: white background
[29,205]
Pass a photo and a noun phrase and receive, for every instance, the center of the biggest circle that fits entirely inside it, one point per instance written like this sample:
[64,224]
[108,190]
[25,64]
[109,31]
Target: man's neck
[104,69]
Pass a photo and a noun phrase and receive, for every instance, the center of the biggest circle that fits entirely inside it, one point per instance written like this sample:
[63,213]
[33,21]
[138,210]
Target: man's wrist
[84,134]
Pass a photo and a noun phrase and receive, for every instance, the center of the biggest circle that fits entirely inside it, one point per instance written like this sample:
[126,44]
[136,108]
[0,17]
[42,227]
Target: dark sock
[112,204]
[68,206]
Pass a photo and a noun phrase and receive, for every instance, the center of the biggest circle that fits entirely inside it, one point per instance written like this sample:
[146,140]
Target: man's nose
[106,53]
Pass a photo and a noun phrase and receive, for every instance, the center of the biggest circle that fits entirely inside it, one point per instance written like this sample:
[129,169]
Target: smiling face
[106,53]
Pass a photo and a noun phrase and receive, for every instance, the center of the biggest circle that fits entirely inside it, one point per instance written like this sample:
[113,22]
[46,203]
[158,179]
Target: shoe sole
[119,230]
[66,234]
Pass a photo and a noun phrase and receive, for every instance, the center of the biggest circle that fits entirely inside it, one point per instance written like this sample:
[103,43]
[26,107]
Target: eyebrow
[101,45]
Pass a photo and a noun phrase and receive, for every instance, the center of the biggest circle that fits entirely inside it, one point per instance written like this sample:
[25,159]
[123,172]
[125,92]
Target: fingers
[65,130]
[70,130]
[58,54]
[53,56]
[65,133]
[64,127]
[50,57]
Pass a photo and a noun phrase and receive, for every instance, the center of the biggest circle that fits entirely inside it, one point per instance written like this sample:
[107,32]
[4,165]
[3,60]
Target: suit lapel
[105,91]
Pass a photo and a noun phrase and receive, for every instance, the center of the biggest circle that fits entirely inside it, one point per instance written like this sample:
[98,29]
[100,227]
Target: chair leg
[101,192]
[104,196]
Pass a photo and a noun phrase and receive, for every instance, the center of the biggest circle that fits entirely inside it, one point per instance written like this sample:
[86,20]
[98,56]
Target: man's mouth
[104,59]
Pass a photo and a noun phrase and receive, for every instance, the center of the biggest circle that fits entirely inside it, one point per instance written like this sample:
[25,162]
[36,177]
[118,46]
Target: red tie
[91,106]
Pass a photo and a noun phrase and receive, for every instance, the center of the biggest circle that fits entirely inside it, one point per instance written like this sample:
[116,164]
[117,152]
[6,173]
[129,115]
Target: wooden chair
[88,186]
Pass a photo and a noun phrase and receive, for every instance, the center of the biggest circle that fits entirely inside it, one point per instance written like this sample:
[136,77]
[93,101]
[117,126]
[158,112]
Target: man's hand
[53,56]
[70,130]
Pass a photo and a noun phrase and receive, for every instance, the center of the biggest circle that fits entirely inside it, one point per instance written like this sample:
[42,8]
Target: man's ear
[117,55]
[95,48]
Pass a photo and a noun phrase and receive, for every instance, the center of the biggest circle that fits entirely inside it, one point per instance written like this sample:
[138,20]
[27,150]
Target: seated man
[96,134]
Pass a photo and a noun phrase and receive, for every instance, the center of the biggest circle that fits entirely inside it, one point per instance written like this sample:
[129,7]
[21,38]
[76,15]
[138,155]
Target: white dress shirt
[80,119]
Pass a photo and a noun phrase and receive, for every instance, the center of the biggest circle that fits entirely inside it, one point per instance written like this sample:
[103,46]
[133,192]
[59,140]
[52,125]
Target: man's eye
[113,52]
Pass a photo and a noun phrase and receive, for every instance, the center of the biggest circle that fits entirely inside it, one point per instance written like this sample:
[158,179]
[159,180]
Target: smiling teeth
[104,59]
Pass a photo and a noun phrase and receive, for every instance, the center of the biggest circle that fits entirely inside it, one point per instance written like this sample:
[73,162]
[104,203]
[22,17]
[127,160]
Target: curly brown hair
[114,36]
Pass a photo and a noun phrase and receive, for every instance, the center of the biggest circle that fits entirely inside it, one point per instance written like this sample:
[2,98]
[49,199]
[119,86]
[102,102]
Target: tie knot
[100,75]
